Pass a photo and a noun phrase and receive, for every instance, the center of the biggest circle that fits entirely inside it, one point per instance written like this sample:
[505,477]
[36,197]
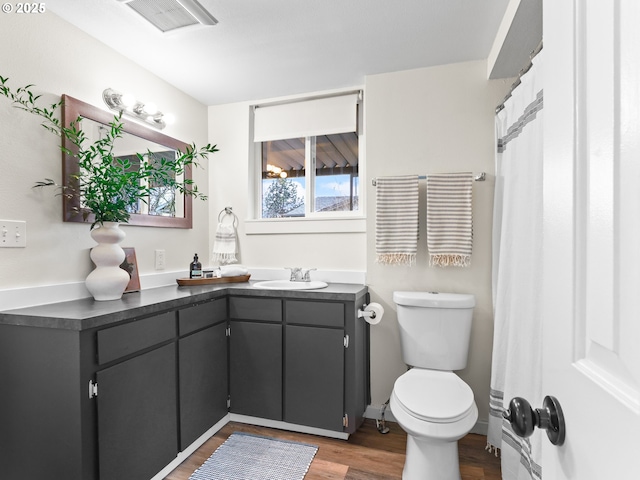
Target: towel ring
[228,211]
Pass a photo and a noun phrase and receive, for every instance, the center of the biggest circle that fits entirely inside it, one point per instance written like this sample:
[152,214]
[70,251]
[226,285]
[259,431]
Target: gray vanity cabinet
[115,390]
[314,377]
[156,403]
[203,369]
[314,365]
[136,397]
[161,383]
[137,423]
[255,352]
[300,361]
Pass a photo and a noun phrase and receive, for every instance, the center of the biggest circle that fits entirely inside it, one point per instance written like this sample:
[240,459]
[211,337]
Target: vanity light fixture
[146,112]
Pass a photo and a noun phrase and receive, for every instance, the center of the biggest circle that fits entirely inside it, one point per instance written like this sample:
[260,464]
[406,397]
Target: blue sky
[328,186]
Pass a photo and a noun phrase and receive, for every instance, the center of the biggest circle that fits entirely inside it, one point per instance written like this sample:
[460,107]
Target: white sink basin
[289,285]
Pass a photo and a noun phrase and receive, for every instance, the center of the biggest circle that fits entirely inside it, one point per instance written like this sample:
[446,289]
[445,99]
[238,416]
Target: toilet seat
[434,396]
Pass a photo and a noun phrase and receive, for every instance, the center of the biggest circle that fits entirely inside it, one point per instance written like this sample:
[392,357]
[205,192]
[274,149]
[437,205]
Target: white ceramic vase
[107,281]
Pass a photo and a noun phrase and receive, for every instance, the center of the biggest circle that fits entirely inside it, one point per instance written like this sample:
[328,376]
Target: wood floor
[367,455]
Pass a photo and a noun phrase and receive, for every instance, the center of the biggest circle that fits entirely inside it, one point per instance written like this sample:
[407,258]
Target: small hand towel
[397,220]
[233,270]
[449,219]
[224,245]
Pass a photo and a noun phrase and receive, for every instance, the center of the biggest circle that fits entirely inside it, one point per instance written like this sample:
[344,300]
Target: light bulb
[150,108]
[127,100]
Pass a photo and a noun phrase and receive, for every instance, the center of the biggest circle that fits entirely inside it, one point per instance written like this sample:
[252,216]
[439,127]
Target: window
[308,157]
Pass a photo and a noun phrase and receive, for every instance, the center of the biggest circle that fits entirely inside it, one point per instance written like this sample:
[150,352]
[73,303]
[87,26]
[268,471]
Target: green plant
[110,187]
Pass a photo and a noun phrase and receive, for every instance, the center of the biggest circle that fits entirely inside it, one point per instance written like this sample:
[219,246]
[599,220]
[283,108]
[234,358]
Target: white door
[591,310]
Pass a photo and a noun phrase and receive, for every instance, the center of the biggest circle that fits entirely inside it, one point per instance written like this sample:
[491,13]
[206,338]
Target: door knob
[524,419]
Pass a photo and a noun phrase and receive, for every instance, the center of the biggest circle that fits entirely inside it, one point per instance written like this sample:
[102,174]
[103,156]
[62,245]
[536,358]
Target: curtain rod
[478,177]
[524,70]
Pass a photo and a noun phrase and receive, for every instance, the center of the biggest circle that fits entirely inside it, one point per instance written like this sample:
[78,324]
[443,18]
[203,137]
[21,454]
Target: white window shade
[323,116]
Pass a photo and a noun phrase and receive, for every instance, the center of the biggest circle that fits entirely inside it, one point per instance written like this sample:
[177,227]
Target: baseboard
[292,427]
[481,427]
[182,456]
[375,412]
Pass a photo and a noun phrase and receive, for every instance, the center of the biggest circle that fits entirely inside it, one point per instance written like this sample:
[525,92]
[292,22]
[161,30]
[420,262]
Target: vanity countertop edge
[86,313]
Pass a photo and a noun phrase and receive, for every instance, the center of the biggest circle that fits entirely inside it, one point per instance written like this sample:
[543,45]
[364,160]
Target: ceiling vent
[169,15]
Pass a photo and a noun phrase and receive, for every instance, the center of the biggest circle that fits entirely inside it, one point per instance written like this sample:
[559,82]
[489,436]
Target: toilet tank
[435,328]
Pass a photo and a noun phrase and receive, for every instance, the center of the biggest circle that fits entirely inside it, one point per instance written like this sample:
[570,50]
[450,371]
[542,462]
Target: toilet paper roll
[376,312]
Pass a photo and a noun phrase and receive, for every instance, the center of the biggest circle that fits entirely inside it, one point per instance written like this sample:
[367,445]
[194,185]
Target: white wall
[423,121]
[59,58]
[229,128]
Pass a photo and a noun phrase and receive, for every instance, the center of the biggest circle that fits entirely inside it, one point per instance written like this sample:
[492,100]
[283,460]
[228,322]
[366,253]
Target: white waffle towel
[225,244]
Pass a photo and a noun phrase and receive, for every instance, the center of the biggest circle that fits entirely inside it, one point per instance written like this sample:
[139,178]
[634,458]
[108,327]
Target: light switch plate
[13,233]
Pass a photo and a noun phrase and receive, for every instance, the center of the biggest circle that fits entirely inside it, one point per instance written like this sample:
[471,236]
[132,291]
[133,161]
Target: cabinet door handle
[93,389]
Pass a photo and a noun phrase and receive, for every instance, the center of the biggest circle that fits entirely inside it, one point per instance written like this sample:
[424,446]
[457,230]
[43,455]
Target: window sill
[305,225]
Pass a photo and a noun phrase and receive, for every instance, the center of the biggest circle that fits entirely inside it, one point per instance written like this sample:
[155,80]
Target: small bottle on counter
[195,268]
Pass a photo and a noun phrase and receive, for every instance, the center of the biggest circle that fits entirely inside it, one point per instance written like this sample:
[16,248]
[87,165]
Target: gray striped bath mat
[252,457]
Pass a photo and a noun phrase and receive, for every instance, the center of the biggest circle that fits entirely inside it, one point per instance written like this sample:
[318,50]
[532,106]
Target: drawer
[116,342]
[326,314]
[248,308]
[199,316]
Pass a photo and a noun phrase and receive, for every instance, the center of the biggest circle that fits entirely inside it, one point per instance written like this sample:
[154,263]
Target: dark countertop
[86,313]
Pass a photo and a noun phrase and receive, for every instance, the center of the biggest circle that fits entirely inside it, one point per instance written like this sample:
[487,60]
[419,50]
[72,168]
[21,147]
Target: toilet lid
[434,396]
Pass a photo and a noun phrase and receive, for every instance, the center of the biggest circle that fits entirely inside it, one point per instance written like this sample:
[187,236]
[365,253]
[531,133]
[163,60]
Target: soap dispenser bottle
[195,269]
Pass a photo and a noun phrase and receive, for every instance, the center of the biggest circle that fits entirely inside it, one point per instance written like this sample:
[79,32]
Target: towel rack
[478,177]
[228,211]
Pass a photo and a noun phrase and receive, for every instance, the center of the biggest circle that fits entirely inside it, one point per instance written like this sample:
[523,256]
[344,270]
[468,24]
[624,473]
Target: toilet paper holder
[364,313]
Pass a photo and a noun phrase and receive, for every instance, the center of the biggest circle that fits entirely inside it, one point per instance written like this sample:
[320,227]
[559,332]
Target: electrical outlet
[13,233]
[160,263]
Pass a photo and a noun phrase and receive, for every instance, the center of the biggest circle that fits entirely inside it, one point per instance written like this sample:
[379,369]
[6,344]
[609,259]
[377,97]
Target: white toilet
[430,402]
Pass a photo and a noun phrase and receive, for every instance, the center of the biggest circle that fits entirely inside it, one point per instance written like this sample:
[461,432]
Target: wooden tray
[183,282]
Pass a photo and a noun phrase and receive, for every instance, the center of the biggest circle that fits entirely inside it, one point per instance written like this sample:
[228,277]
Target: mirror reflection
[163,208]
[163,200]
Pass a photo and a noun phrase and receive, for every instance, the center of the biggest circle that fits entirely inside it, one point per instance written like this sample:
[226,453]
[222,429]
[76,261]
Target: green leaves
[110,187]
[24,99]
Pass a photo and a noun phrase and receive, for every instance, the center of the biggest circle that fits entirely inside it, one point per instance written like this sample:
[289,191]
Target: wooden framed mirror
[137,139]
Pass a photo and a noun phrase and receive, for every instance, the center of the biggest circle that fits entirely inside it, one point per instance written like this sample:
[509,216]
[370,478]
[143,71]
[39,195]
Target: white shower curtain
[517,272]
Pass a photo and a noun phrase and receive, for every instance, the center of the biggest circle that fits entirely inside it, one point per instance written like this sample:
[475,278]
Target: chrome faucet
[299,274]
[296,274]
[305,274]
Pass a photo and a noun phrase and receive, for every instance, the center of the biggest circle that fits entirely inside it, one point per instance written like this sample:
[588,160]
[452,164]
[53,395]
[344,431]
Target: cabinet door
[203,382]
[314,377]
[256,369]
[137,415]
